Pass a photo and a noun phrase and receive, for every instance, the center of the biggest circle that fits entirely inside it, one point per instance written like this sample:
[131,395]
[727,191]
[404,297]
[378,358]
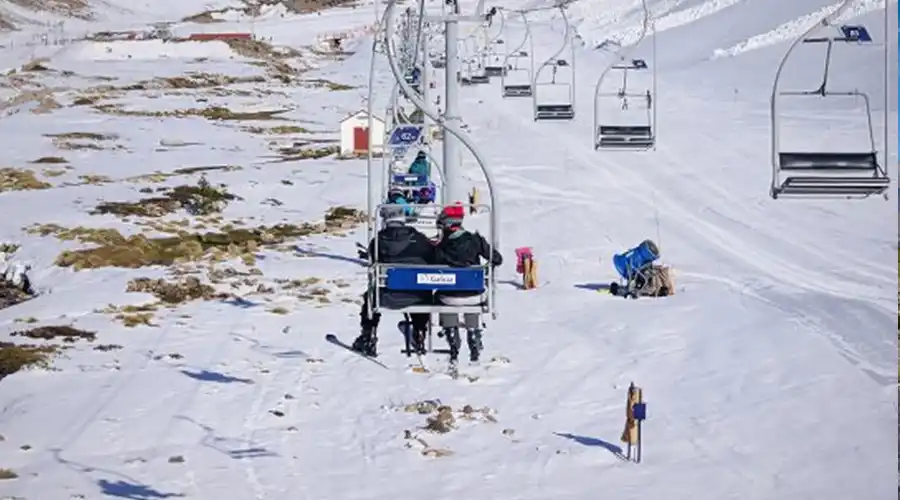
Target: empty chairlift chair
[559,104]
[517,82]
[518,78]
[478,75]
[637,132]
[479,78]
[495,66]
[850,174]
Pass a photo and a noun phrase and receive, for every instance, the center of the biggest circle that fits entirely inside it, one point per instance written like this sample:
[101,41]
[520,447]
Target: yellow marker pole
[631,434]
[529,276]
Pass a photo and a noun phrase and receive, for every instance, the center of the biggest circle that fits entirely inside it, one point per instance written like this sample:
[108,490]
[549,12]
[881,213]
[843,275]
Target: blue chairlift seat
[434,279]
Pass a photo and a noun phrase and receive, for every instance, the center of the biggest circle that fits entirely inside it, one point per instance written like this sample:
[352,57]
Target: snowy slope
[770,374]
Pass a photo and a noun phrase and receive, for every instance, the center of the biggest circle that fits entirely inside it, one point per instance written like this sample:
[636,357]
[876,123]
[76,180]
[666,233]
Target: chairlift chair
[632,135]
[476,76]
[510,85]
[480,78]
[495,69]
[495,66]
[846,174]
[435,278]
[628,133]
[556,107]
[430,281]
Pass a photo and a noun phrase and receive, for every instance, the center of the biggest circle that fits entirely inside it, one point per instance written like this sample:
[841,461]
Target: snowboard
[333,339]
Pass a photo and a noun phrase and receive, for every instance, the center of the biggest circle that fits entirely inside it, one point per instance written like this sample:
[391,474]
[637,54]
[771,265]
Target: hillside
[190,232]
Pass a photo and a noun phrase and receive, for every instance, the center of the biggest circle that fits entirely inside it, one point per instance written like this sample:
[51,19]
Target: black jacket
[464,249]
[402,245]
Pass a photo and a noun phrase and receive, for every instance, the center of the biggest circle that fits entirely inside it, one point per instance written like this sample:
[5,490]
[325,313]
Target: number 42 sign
[405,135]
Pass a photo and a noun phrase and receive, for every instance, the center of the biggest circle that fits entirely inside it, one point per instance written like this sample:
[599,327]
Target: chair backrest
[635,259]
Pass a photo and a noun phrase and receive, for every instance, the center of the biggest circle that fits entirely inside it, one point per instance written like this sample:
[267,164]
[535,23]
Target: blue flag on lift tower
[405,136]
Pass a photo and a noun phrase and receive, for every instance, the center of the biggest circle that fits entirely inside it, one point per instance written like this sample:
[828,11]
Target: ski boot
[452,334]
[366,343]
[473,339]
[417,342]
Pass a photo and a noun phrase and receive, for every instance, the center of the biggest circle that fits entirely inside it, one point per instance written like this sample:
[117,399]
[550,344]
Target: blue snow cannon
[632,267]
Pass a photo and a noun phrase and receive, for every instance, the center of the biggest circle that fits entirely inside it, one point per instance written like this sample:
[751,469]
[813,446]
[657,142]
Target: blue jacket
[420,167]
[409,211]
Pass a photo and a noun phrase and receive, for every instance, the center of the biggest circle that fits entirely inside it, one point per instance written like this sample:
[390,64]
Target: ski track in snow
[778,340]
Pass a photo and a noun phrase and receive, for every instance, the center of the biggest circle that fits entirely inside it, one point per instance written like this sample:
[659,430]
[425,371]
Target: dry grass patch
[11,295]
[328,84]
[56,172]
[140,251]
[202,80]
[303,151]
[279,130]
[64,332]
[82,140]
[80,9]
[168,293]
[174,292]
[80,234]
[54,160]
[8,474]
[259,49]
[116,250]
[441,419]
[309,6]
[136,319]
[35,66]
[13,179]
[15,357]
[202,199]
[203,18]
[215,113]
[68,136]
[86,100]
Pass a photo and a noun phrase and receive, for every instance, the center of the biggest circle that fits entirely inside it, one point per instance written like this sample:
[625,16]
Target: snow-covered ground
[770,374]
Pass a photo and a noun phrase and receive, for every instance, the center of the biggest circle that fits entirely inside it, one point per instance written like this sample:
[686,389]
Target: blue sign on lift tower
[405,136]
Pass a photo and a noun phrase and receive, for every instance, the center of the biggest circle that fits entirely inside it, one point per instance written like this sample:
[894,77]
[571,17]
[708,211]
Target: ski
[331,338]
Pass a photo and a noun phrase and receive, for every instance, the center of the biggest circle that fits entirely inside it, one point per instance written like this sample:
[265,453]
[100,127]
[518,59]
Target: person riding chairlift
[396,196]
[421,165]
